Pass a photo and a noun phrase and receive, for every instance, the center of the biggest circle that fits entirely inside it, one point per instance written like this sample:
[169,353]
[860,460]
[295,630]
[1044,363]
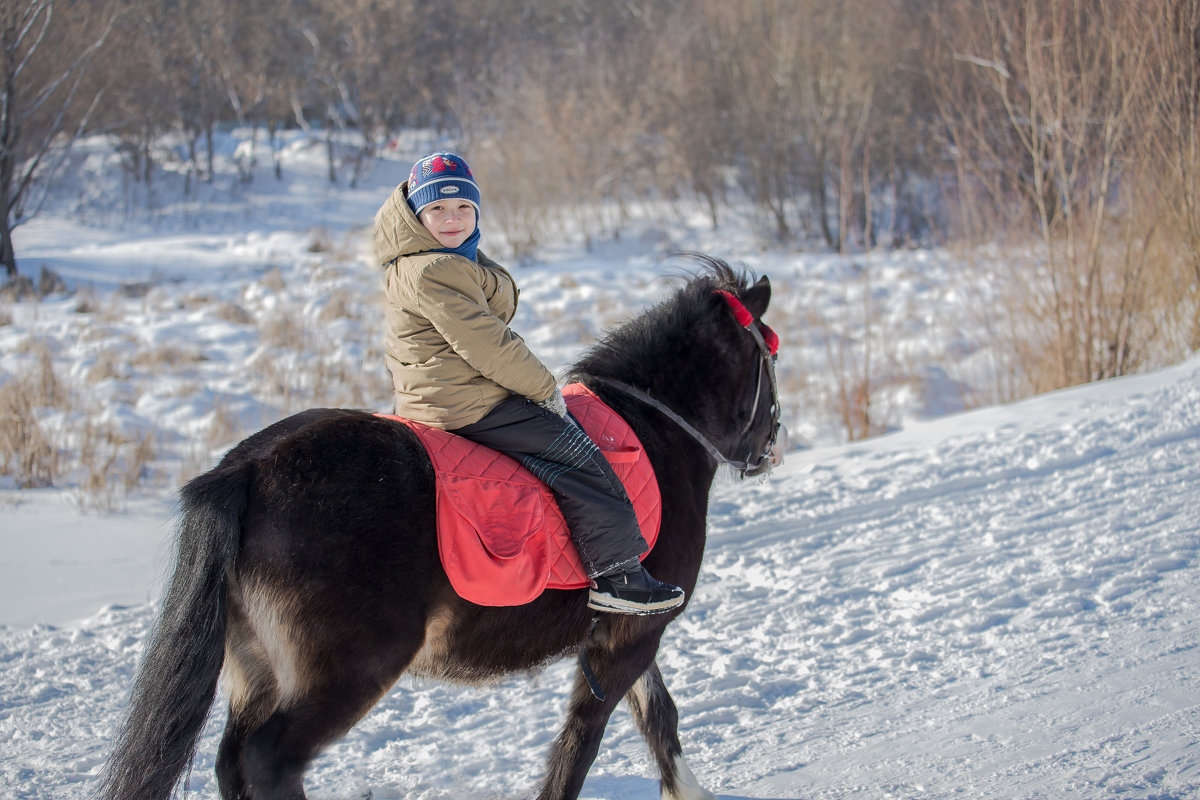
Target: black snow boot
[633,592]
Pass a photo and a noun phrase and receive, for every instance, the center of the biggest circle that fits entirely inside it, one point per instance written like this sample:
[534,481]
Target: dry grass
[340,304]
[111,466]
[102,464]
[26,450]
[284,329]
[860,355]
[162,358]
[110,364]
[273,281]
[223,429]
[99,455]
[232,312]
[319,241]
[85,301]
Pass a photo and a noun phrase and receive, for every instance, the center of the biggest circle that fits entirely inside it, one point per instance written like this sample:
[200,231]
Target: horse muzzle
[773,456]
[778,448]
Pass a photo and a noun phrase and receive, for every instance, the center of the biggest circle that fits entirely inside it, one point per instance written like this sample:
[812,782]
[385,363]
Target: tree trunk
[329,154]
[8,256]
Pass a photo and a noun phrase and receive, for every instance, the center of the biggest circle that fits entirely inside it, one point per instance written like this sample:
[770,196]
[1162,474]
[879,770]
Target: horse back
[340,503]
[339,540]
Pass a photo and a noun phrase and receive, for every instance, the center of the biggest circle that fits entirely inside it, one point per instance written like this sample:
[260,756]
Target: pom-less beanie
[440,177]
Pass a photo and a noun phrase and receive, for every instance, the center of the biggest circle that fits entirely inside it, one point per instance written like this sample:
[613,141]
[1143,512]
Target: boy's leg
[599,516]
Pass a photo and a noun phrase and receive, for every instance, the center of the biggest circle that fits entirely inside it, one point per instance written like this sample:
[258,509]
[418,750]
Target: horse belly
[471,644]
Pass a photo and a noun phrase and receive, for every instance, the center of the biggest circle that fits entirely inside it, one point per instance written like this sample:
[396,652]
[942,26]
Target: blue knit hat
[441,176]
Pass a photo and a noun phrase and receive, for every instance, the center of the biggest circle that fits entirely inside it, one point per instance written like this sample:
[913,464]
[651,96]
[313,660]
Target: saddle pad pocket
[502,516]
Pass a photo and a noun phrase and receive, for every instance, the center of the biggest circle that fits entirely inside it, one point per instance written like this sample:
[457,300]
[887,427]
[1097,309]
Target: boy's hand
[555,404]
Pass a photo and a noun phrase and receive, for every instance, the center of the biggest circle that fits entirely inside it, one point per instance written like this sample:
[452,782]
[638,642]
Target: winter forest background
[959,203]
[1051,146]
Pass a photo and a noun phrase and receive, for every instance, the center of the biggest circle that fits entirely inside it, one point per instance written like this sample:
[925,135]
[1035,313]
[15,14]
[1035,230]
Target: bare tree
[562,120]
[45,49]
[1176,151]
[264,64]
[1052,108]
[758,56]
[817,109]
[200,99]
[691,110]
[373,90]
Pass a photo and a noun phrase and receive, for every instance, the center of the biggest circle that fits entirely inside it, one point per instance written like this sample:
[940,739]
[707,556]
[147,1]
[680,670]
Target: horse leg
[230,780]
[231,776]
[576,746]
[297,687]
[657,718]
[276,754]
[254,694]
[616,668]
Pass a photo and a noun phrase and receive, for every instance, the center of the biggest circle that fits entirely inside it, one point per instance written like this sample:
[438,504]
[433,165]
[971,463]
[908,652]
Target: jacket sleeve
[454,303]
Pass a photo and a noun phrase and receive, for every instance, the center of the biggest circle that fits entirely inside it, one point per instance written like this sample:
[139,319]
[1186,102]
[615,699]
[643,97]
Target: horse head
[763,444]
[705,360]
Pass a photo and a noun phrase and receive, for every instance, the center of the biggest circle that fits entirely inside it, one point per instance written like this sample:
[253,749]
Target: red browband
[746,319]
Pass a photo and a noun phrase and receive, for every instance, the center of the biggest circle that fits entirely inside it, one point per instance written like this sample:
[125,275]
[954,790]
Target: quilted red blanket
[502,539]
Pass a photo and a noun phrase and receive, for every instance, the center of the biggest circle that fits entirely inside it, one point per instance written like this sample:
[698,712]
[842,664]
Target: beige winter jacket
[452,356]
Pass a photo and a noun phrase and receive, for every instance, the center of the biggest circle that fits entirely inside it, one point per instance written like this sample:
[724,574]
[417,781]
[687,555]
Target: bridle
[767,343]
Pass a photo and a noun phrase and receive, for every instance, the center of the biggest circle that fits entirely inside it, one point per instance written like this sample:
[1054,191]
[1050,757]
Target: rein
[687,427]
[768,346]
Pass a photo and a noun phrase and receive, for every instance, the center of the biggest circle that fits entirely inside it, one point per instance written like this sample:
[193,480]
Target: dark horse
[307,569]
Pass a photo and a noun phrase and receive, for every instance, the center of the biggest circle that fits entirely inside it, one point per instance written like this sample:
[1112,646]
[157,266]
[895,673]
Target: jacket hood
[398,232]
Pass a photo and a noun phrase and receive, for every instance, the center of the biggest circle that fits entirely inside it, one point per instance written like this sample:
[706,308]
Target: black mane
[644,349]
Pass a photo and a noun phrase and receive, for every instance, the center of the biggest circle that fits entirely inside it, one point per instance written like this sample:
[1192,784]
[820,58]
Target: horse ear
[758,297]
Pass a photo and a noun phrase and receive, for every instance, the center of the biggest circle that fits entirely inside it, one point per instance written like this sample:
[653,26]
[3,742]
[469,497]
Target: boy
[456,365]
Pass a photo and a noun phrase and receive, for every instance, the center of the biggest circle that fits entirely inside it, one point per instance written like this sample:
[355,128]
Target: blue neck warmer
[468,249]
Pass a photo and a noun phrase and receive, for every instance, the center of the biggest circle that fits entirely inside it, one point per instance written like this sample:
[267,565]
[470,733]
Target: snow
[995,603]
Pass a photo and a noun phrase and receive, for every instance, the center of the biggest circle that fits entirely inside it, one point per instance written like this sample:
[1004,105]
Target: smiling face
[450,221]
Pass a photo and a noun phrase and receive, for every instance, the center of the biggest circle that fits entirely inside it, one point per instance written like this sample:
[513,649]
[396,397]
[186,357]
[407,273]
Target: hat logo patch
[449,190]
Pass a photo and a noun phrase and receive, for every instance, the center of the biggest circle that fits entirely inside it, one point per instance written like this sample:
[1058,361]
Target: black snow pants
[598,513]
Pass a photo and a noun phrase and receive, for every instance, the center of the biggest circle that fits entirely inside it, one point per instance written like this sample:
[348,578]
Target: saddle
[501,536]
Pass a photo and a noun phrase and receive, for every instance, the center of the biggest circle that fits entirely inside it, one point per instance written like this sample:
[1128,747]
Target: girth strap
[585,666]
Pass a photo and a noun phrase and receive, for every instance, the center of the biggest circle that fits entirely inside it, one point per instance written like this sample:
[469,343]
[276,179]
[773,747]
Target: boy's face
[450,221]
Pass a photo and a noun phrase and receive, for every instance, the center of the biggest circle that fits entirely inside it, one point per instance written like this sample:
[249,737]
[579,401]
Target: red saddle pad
[501,536]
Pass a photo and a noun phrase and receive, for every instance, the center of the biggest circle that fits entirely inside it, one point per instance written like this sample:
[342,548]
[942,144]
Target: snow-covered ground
[999,603]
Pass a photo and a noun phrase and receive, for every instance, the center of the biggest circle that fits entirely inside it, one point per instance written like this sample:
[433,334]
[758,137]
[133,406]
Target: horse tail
[177,679]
